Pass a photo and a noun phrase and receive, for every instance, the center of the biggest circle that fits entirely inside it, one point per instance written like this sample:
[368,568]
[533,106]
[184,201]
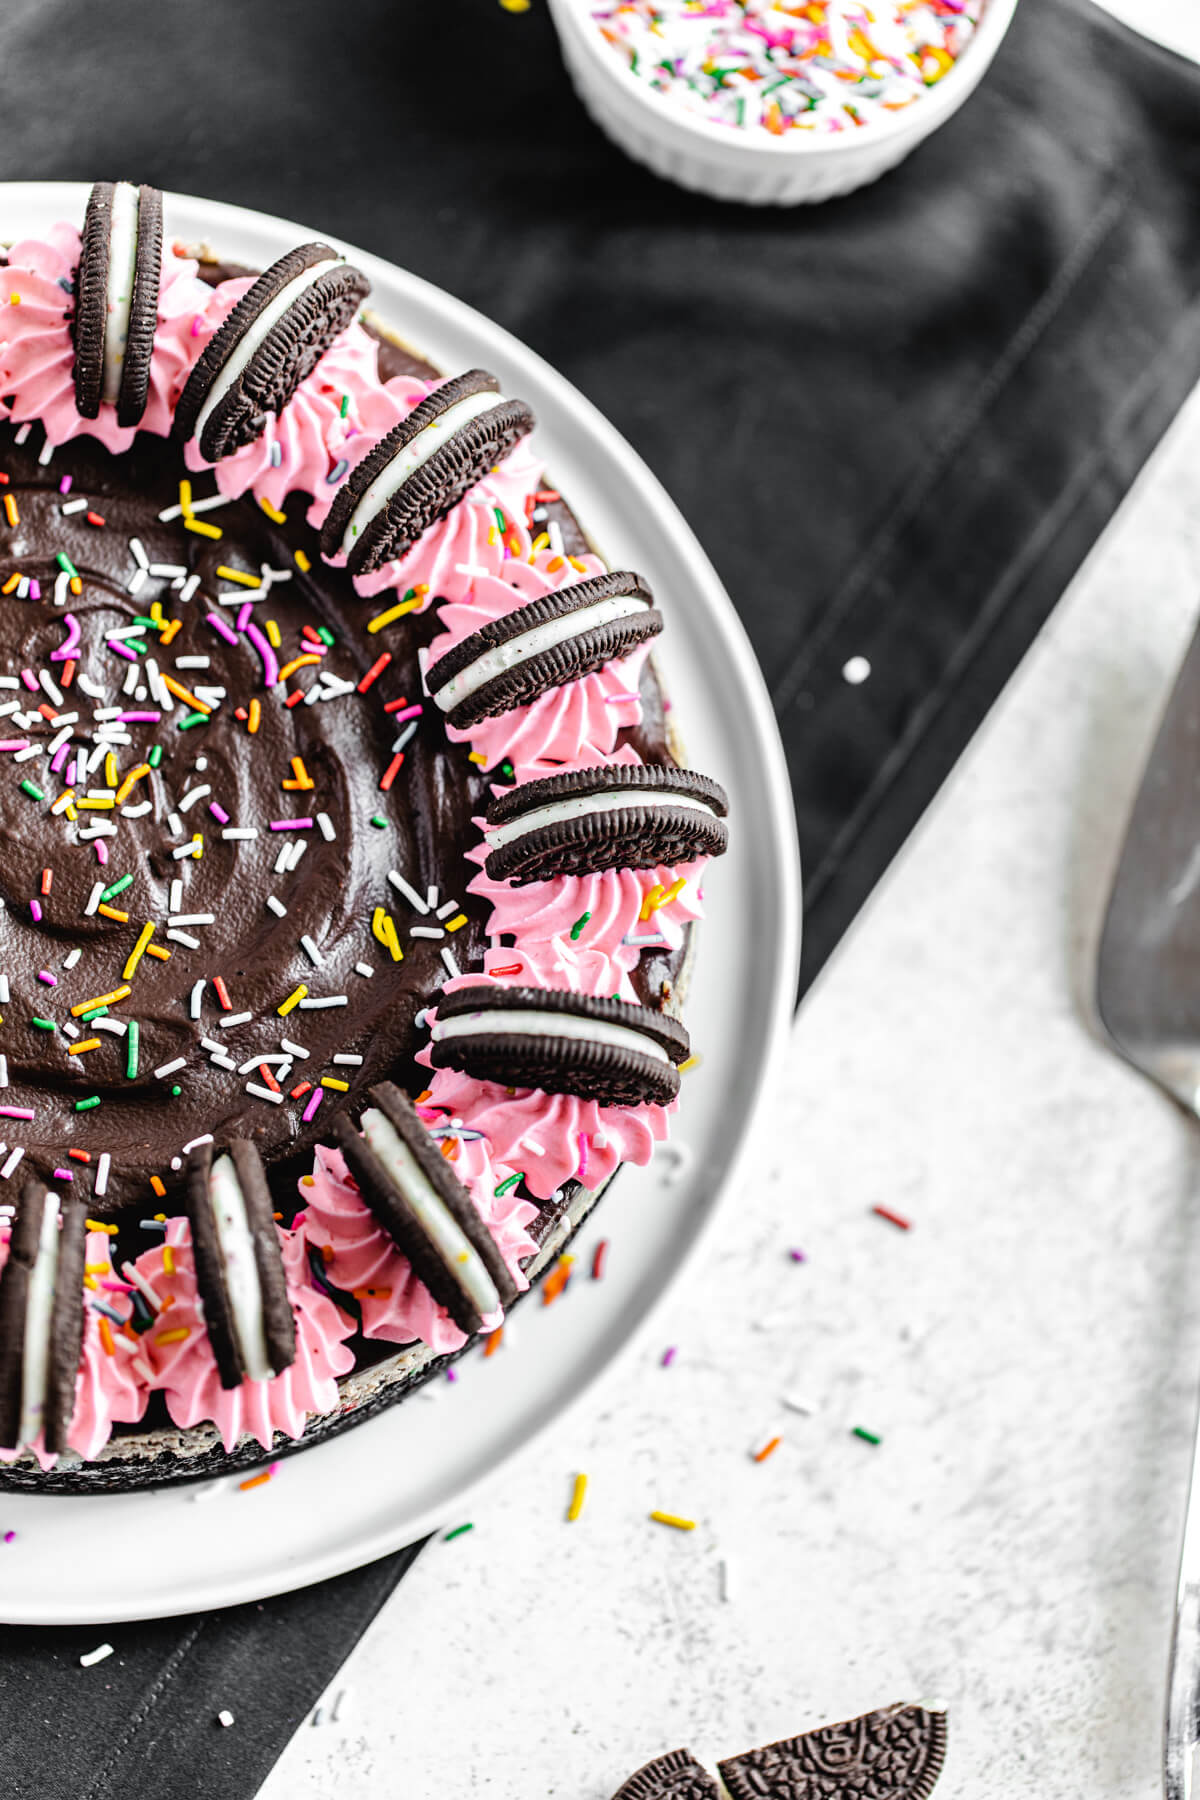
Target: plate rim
[338,1555]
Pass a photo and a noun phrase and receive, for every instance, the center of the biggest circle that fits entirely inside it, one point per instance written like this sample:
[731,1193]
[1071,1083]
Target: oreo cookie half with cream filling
[41,1319]
[675,1776]
[559,638]
[273,338]
[635,816]
[898,1751]
[564,1043]
[116,299]
[424,1208]
[239,1268]
[421,470]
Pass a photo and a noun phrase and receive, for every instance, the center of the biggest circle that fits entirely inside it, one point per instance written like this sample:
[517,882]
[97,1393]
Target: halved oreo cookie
[676,1776]
[424,1208]
[634,816]
[422,469]
[563,1043]
[239,1268]
[556,639]
[273,338]
[898,1751]
[116,299]
[41,1319]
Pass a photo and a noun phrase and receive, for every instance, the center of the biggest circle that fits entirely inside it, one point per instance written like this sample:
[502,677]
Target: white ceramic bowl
[755,167]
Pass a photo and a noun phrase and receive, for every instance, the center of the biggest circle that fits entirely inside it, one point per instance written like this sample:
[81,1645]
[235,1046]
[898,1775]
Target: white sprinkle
[198,506]
[103,713]
[102,1168]
[93,900]
[168,571]
[277,907]
[61,582]
[283,859]
[193,662]
[71,1031]
[13,1159]
[310,950]
[426,931]
[452,967]
[402,741]
[95,1656]
[264,1093]
[69,960]
[295,1049]
[49,687]
[118,1027]
[132,684]
[170,1068]
[161,695]
[184,850]
[431,898]
[325,825]
[229,1020]
[174,824]
[4,986]
[410,894]
[136,812]
[351,1062]
[191,918]
[798,1404]
[189,587]
[273,1056]
[363,969]
[136,581]
[181,937]
[70,507]
[239,833]
[24,755]
[176,894]
[856,670]
[189,799]
[196,1143]
[223,1062]
[443,912]
[196,997]
[3,1071]
[331,1000]
[208,1043]
[225,1717]
[139,553]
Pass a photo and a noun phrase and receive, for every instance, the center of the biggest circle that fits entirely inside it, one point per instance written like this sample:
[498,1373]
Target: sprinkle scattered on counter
[867,1437]
[893,1218]
[668,1356]
[578,1496]
[225,1718]
[777,66]
[674,1521]
[459,1531]
[95,1656]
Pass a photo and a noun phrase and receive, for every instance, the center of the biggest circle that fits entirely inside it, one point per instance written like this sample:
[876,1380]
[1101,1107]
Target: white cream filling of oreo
[534,642]
[438,1222]
[39,1313]
[514,1022]
[579,806]
[122,264]
[236,1243]
[255,336]
[412,456]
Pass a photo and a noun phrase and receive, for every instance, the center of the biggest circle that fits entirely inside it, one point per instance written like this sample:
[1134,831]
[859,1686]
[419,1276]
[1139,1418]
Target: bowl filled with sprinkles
[776,102]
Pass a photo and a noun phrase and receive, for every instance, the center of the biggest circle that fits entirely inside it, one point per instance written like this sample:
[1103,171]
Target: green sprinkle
[131,1049]
[141,619]
[457,1532]
[378,822]
[345,407]
[193,719]
[101,1012]
[501,521]
[510,1183]
[44,1024]
[138,644]
[155,756]
[507,770]
[87,1105]
[868,1437]
[326,636]
[176,1091]
[66,565]
[579,924]
[33,790]
[117,887]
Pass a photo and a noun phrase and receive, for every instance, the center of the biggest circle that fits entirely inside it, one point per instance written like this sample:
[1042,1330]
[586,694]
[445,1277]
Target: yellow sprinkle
[156,1184]
[331,1081]
[273,634]
[119,993]
[131,781]
[576,564]
[383,929]
[676,888]
[110,770]
[293,1000]
[663,1518]
[272,513]
[540,542]
[84,1044]
[651,903]
[238,575]
[201,527]
[458,920]
[693,1062]
[393,612]
[185,497]
[476,756]
[138,951]
[172,1337]
[168,1260]
[515,6]
[302,562]
[307,1181]
[99,1225]
[579,1494]
[14,299]
[90,805]
[197,846]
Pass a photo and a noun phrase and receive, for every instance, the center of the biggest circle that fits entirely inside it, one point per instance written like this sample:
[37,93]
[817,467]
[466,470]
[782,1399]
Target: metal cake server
[1148,1000]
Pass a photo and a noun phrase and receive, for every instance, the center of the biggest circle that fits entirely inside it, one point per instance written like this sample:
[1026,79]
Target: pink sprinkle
[64,486]
[270,661]
[70,772]
[245,614]
[120,649]
[196,323]
[49,979]
[139,718]
[35,588]
[451,1375]
[35,907]
[10,1535]
[220,627]
[410,712]
[16,1112]
[15,744]
[114,1286]
[797,1256]
[30,680]
[314,1102]
[63,1174]
[60,756]
[218,812]
[101,852]
[583,1156]
[71,642]
[291,824]
[668,1357]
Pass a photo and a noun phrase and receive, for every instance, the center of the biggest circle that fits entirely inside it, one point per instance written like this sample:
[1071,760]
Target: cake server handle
[1181,1726]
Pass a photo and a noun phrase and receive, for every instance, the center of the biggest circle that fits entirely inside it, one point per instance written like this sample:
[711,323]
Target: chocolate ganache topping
[167,762]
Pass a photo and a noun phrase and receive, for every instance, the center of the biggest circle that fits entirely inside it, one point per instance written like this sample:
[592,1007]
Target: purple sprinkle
[35,907]
[291,824]
[101,849]
[409,712]
[70,772]
[64,486]
[269,659]
[121,649]
[218,812]
[71,644]
[220,627]
[15,744]
[16,1112]
[49,979]
[245,614]
[797,1256]
[30,680]
[60,756]
[139,718]
[318,1095]
[62,1174]
[35,588]
[451,1375]
[668,1357]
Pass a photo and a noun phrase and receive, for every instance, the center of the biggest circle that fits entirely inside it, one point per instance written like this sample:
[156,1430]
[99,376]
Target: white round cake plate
[409,1471]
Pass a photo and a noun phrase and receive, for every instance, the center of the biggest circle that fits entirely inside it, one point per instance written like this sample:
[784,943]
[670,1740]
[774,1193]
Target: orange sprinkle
[297,662]
[10,509]
[185,694]
[157,1185]
[450,1149]
[372,1293]
[254,1481]
[47,878]
[557,1279]
[768,1449]
[255,715]
[301,776]
[494,1341]
[113,912]
[106,1336]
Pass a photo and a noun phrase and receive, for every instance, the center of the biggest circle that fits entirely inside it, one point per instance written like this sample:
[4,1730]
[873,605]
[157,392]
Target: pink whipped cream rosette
[37,351]
[109,1388]
[360,1258]
[580,721]
[185,1370]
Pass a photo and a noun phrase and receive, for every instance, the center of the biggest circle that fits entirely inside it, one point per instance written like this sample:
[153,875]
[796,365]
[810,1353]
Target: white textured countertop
[1028,1352]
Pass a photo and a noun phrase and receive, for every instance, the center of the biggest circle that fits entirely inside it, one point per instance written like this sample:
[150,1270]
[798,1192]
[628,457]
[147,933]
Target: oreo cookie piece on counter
[563,636]
[897,1751]
[564,1043]
[116,299]
[628,816]
[422,469]
[239,1267]
[424,1208]
[675,1776]
[273,338]
[41,1319]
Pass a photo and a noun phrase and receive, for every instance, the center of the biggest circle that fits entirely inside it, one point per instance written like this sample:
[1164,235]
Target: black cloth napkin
[898,422]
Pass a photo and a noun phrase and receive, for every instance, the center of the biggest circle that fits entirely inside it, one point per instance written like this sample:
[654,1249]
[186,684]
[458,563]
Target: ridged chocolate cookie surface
[634,816]
[91,318]
[896,1753]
